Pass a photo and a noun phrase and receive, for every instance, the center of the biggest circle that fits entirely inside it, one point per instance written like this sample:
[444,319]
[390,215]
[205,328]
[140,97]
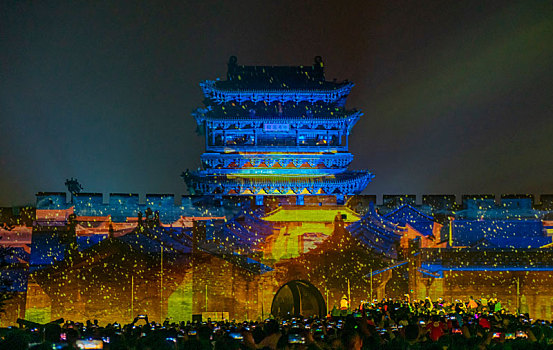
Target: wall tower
[276,131]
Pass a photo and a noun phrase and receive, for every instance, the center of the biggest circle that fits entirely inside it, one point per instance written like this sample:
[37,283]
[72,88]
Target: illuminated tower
[276,131]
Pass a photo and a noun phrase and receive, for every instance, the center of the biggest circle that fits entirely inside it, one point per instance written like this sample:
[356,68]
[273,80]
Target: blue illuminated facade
[276,131]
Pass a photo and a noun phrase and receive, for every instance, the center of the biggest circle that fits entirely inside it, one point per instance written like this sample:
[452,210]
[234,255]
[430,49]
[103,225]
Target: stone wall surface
[104,280]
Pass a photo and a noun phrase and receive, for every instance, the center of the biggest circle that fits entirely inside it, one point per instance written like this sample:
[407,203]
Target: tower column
[206,135]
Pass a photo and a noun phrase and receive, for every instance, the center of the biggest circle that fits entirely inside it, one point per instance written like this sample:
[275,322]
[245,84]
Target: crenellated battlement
[130,203]
[472,201]
[121,206]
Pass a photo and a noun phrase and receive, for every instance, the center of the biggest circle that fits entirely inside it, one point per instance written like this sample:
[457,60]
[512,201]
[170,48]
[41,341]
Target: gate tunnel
[298,298]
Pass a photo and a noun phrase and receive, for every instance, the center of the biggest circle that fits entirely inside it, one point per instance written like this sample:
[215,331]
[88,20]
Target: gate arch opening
[298,298]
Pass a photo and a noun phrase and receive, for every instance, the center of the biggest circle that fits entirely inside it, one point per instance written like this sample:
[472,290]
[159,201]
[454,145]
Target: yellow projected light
[316,214]
[302,229]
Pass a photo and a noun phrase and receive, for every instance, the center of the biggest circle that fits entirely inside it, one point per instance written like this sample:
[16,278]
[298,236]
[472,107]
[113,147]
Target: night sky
[457,95]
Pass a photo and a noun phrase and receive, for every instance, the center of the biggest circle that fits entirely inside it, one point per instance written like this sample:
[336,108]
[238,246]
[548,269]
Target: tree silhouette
[73,186]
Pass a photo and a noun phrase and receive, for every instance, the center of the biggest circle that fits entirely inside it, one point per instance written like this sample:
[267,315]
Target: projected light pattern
[279,219]
[276,131]
[90,260]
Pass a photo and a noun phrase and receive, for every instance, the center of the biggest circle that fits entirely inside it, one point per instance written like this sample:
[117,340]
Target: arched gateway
[298,298]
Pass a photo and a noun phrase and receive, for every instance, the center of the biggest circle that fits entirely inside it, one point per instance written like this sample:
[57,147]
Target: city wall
[122,205]
[188,288]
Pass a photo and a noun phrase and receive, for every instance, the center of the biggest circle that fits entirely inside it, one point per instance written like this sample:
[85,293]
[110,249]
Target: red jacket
[436,330]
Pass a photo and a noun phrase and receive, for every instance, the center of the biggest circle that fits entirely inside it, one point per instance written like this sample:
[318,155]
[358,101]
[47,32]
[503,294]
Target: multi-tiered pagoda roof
[276,131]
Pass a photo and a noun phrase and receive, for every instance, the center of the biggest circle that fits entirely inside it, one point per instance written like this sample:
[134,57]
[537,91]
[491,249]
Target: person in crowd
[436,328]
[270,341]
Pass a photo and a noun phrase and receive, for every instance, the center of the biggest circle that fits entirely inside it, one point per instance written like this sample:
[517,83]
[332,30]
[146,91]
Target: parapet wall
[473,201]
[127,205]
[121,206]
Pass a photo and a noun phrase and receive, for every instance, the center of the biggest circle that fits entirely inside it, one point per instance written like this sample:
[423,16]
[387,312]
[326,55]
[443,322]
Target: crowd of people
[385,324]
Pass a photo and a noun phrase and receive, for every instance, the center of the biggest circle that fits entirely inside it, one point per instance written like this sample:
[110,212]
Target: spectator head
[204,332]
[352,340]
[411,332]
[227,343]
[271,327]
[52,332]
[72,335]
